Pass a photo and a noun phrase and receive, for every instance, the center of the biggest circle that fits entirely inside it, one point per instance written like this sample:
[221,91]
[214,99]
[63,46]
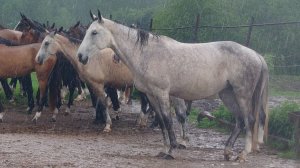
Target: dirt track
[74,141]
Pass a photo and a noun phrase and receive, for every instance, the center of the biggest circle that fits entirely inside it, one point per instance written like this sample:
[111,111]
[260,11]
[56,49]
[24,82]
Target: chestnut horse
[19,61]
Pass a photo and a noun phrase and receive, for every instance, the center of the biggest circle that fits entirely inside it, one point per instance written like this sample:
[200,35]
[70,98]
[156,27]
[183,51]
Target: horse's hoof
[181,146]
[227,154]
[161,155]
[168,157]
[29,110]
[117,118]
[107,130]
[241,158]
[34,120]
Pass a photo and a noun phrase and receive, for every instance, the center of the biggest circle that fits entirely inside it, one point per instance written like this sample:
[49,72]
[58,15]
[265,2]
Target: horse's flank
[15,62]
[194,59]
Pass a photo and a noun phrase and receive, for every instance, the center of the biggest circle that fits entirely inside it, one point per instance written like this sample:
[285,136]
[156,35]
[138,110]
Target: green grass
[19,99]
[279,125]
[285,85]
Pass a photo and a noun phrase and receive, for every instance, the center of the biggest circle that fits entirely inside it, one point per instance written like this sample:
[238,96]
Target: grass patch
[279,125]
[285,85]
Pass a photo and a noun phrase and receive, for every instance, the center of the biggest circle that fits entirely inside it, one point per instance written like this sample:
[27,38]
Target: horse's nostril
[80,56]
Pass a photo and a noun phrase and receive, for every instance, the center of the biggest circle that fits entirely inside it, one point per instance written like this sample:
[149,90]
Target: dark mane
[7,42]
[72,39]
[2,27]
[142,37]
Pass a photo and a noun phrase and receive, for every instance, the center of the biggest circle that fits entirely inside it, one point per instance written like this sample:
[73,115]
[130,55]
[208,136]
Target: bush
[279,124]
[220,113]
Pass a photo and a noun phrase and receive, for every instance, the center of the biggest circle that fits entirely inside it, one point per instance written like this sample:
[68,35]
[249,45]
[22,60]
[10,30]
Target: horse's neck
[68,49]
[126,47]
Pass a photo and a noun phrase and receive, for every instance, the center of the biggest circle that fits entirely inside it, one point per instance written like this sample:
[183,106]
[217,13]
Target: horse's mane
[142,34]
[2,27]
[72,39]
[7,42]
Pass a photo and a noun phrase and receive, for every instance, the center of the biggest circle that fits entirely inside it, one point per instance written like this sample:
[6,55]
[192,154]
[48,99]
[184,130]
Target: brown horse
[19,61]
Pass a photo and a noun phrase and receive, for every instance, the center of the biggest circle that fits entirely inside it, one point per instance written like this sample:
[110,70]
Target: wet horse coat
[164,67]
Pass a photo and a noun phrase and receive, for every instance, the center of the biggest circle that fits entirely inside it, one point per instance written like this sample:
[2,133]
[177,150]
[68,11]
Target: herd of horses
[108,56]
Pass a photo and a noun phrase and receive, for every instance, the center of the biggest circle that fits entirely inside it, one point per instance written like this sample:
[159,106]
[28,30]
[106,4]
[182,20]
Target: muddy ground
[74,141]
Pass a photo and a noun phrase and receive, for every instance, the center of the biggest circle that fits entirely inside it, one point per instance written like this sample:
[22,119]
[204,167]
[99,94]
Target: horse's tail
[260,106]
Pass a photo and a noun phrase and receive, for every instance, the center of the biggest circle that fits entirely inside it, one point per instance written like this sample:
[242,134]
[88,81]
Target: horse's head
[97,37]
[30,35]
[77,31]
[26,23]
[48,48]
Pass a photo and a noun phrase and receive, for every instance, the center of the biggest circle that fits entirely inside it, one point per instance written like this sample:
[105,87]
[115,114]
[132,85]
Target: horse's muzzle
[82,59]
[39,60]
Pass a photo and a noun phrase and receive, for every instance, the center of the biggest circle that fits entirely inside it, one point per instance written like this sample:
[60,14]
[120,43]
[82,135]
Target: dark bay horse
[164,67]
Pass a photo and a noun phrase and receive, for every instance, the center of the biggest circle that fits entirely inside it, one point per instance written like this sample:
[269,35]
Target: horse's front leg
[101,101]
[42,99]
[181,114]
[161,105]
[143,118]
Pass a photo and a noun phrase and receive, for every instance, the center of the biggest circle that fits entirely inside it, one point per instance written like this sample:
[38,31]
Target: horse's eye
[46,43]
[94,32]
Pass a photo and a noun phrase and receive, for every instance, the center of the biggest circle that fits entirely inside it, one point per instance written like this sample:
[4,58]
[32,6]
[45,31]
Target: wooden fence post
[195,38]
[151,25]
[249,32]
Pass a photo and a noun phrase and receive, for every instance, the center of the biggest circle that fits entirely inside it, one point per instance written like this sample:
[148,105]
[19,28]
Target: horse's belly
[198,90]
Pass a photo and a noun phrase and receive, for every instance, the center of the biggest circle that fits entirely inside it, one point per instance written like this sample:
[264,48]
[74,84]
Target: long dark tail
[260,104]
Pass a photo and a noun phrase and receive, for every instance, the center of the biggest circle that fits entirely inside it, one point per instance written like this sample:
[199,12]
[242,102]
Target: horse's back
[10,34]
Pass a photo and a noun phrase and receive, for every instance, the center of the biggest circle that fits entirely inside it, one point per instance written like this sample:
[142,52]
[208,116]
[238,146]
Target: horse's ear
[100,20]
[60,29]
[53,25]
[77,24]
[22,16]
[92,16]
[52,34]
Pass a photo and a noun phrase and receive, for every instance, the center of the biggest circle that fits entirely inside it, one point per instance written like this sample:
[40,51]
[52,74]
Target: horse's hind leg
[245,103]
[7,90]
[229,100]
[180,110]
[1,112]
[27,83]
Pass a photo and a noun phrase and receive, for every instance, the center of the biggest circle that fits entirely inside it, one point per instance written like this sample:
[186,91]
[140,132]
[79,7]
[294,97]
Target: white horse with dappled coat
[163,67]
